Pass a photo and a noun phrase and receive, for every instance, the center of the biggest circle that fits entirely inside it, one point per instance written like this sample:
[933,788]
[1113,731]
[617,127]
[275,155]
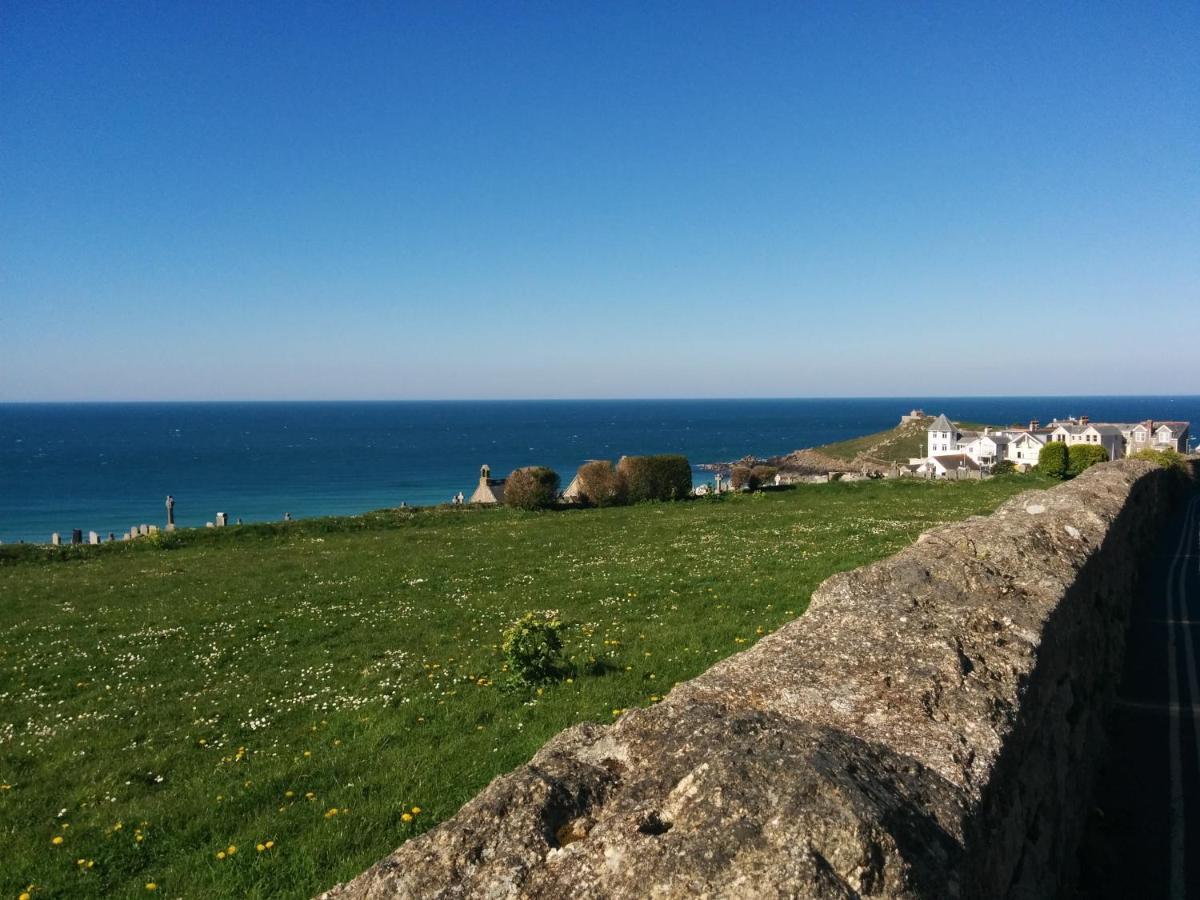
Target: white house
[948,465]
[986,449]
[943,436]
[1025,447]
[1108,436]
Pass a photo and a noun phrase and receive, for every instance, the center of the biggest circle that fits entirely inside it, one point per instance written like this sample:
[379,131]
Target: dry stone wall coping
[928,728]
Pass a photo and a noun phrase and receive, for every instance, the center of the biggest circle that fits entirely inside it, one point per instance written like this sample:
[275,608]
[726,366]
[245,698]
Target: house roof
[956,461]
[1176,428]
[1106,428]
[941,423]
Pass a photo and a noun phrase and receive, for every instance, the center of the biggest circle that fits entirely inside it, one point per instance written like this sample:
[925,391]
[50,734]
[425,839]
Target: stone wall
[929,728]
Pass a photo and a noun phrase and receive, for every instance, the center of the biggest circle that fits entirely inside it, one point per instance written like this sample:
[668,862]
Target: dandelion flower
[56,840]
[260,847]
[24,895]
[416,810]
[406,817]
[151,886]
[231,849]
[269,844]
[220,854]
[289,793]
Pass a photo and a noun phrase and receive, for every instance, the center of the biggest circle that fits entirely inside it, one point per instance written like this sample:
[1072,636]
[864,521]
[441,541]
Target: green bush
[1052,460]
[1168,459]
[1083,456]
[1004,467]
[665,477]
[533,648]
[533,487]
[600,484]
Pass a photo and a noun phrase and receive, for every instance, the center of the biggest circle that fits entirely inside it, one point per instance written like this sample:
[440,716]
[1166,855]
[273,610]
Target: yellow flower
[151,886]
[331,813]
[269,844]
[289,793]
[231,849]
[308,753]
[56,840]
[406,818]
[220,854]
[260,847]
[24,895]
[310,796]
[416,810]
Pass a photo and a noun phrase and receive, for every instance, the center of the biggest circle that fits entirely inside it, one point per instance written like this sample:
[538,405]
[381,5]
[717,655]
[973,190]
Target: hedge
[665,477]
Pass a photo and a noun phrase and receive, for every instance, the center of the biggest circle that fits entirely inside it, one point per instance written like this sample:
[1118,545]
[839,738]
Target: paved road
[1144,839]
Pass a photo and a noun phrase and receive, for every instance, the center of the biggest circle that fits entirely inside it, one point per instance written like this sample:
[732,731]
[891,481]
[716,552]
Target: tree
[665,477]
[1052,460]
[600,484]
[533,487]
[1084,456]
[739,477]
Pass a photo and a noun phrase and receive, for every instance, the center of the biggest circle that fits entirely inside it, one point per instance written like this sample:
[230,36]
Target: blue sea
[107,467]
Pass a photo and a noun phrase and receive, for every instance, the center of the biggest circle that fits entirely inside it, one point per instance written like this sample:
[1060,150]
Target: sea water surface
[109,466]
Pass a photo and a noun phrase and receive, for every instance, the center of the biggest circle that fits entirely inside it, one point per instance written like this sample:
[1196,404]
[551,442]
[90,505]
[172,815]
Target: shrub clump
[761,475]
[1168,458]
[1083,456]
[600,484]
[665,477]
[1052,460]
[752,477]
[1004,467]
[533,648]
[533,487]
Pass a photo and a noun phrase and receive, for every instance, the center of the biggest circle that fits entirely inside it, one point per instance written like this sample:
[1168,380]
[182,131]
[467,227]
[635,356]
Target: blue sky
[389,200]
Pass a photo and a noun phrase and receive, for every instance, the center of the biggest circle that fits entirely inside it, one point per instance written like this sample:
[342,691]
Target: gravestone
[55,539]
[76,536]
[222,520]
[93,537]
[170,513]
[143,529]
[154,529]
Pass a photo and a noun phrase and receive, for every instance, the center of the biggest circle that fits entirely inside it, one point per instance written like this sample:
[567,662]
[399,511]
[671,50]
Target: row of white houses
[952,450]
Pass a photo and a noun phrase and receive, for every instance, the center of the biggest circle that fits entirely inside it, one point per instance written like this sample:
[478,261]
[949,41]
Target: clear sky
[394,200]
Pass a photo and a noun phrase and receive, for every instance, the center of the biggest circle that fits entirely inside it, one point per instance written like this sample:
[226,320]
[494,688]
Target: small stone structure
[928,729]
[489,490]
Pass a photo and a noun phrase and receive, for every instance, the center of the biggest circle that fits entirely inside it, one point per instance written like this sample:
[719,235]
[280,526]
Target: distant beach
[107,467]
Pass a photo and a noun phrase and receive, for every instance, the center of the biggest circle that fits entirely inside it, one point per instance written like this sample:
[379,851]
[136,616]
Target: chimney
[1083,420]
[1034,424]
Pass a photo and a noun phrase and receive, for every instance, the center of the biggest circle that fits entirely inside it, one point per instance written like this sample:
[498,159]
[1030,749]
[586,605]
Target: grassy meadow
[266,710]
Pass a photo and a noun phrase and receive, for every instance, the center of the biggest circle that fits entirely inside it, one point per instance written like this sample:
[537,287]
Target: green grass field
[267,710]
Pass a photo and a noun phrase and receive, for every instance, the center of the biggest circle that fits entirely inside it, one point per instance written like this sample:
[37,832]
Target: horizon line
[694,399]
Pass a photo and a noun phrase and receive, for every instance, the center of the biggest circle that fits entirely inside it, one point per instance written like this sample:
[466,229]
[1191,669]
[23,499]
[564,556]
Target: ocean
[109,466]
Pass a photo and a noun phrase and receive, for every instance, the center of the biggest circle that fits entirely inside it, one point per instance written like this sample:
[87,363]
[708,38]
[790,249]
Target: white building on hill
[945,441]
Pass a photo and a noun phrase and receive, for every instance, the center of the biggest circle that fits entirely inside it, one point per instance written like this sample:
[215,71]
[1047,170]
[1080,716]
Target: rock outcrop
[929,728]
